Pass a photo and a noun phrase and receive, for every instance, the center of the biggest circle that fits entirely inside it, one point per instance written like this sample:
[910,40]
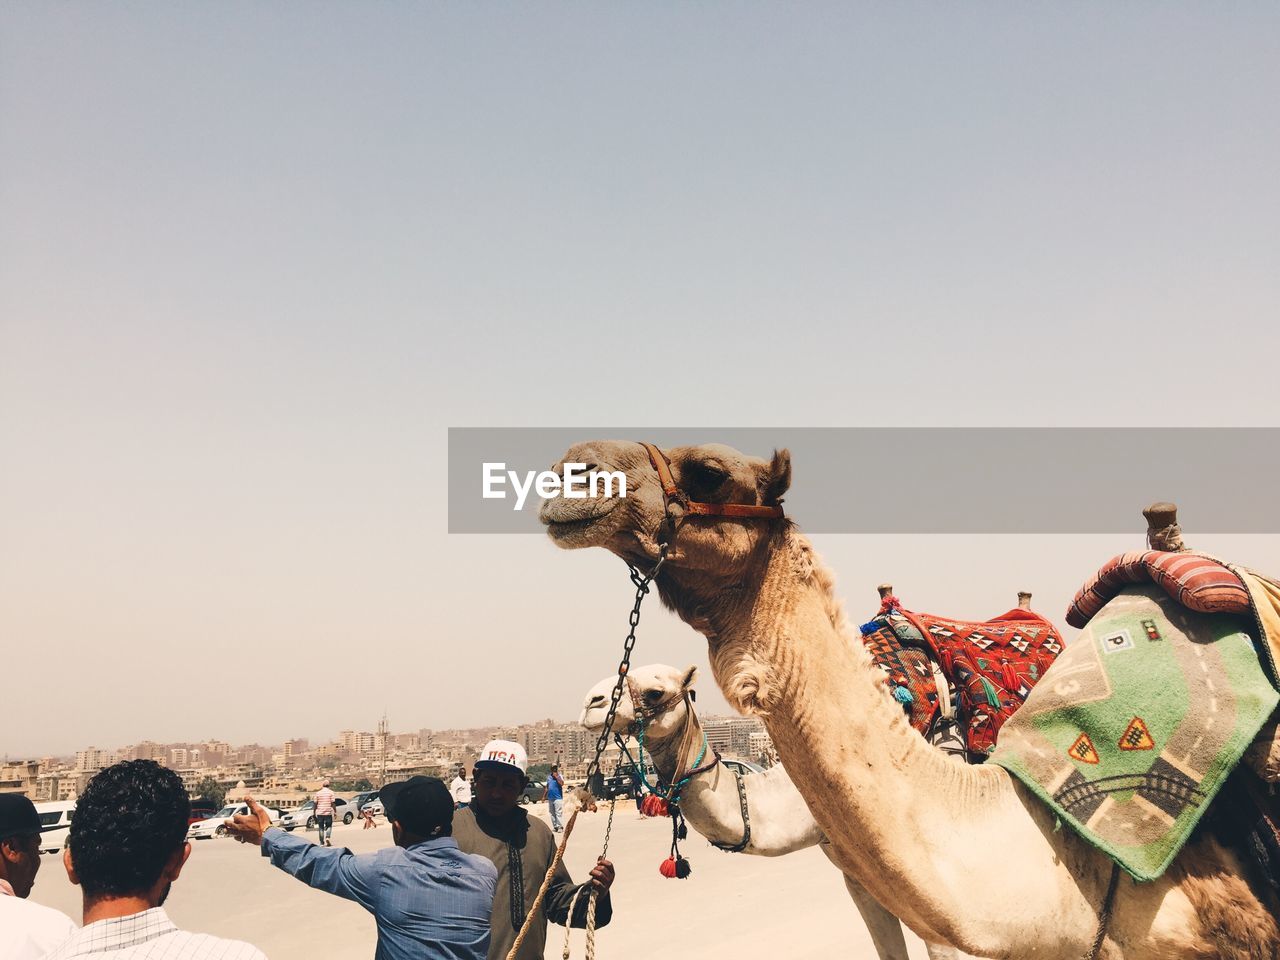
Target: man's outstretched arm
[337,871]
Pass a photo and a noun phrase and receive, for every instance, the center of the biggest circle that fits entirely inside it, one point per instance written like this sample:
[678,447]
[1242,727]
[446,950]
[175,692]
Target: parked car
[374,807]
[534,791]
[305,815]
[201,810]
[621,787]
[55,824]
[216,826]
[360,799]
[744,767]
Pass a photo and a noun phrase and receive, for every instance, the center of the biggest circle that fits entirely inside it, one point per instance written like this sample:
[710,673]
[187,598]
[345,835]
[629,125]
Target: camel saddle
[1201,582]
[960,680]
[1152,710]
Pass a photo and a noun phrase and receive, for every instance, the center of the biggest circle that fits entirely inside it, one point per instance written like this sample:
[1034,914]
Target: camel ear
[775,480]
[690,676]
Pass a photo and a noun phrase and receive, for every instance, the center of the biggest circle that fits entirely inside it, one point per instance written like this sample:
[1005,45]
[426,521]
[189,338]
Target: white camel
[966,856]
[780,823]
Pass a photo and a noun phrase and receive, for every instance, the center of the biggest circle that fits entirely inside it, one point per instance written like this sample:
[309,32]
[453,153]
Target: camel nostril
[597,700]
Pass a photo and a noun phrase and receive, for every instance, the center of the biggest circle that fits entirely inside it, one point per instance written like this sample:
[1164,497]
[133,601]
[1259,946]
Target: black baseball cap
[18,817]
[420,804]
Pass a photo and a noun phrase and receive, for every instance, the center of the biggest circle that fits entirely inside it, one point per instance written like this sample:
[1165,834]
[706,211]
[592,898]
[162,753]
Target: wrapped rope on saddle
[1197,581]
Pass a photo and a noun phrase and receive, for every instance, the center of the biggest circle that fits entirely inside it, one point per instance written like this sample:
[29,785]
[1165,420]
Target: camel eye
[706,477]
[653,696]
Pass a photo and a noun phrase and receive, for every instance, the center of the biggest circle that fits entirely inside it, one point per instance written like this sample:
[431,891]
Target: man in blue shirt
[429,898]
[555,797]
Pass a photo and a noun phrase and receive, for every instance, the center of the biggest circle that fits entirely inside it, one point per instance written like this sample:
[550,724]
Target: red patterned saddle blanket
[971,673]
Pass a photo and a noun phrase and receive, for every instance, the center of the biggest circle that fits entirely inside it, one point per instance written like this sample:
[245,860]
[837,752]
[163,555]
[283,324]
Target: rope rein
[642,583]
[542,890]
[671,493]
[1104,917]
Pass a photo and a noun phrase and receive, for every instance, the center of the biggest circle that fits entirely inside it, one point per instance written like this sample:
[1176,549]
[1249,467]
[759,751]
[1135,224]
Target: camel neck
[783,651]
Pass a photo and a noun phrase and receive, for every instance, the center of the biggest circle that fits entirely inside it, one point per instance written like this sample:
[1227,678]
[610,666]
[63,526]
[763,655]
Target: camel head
[716,564]
[660,687]
[631,526]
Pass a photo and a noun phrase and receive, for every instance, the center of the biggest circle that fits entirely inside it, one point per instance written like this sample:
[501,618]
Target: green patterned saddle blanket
[1136,727]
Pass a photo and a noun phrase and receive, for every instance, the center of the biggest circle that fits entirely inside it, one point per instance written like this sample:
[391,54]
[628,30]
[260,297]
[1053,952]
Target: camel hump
[1163,531]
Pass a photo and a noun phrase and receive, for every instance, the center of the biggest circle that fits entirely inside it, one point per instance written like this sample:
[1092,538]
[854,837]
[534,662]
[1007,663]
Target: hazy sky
[256,258]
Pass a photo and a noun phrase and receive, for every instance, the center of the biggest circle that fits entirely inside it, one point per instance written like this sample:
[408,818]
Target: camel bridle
[671,493]
[691,751]
[690,736]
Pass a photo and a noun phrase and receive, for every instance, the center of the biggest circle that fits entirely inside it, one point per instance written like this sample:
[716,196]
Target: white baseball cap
[503,754]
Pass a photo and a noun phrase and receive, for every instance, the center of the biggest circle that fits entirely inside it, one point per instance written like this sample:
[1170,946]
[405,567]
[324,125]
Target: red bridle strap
[673,492]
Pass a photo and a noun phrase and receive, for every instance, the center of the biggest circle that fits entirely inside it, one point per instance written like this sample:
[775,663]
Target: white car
[216,826]
[55,824]
[305,815]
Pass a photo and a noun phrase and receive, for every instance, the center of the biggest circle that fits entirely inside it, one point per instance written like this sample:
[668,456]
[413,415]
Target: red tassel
[675,868]
[654,806]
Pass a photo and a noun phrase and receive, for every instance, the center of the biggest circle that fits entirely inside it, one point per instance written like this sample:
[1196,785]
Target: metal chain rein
[642,582]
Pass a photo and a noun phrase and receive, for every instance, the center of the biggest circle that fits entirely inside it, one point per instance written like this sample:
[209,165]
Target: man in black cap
[27,930]
[430,900]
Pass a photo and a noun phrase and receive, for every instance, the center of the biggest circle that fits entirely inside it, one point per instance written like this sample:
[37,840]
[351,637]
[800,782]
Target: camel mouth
[567,519]
[592,719]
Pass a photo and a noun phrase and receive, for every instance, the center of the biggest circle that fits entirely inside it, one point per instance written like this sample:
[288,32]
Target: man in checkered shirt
[126,848]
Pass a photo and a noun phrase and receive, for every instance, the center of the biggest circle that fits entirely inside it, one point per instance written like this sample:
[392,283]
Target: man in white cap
[522,848]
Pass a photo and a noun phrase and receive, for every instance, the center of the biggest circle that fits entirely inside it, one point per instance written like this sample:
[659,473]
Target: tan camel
[780,821]
[963,855]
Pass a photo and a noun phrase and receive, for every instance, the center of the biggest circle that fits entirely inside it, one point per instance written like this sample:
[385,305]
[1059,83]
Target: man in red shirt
[324,813]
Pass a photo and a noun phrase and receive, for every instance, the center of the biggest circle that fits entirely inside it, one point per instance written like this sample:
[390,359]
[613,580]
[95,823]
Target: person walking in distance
[555,797]
[461,790]
[324,813]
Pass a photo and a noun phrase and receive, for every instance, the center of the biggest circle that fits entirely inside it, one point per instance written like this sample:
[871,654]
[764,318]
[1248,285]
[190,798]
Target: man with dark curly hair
[126,847]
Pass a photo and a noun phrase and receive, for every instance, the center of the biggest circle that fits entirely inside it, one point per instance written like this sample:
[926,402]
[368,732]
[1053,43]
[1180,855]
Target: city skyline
[450,735]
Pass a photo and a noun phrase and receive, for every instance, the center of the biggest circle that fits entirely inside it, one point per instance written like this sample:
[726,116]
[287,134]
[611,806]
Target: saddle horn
[1163,531]
[885,589]
[1024,599]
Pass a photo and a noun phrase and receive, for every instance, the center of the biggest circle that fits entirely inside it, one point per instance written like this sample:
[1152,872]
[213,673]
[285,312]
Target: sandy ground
[732,906]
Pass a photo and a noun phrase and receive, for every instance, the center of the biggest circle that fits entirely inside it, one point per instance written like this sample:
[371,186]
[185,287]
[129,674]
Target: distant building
[762,746]
[19,777]
[731,736]
[94,759]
